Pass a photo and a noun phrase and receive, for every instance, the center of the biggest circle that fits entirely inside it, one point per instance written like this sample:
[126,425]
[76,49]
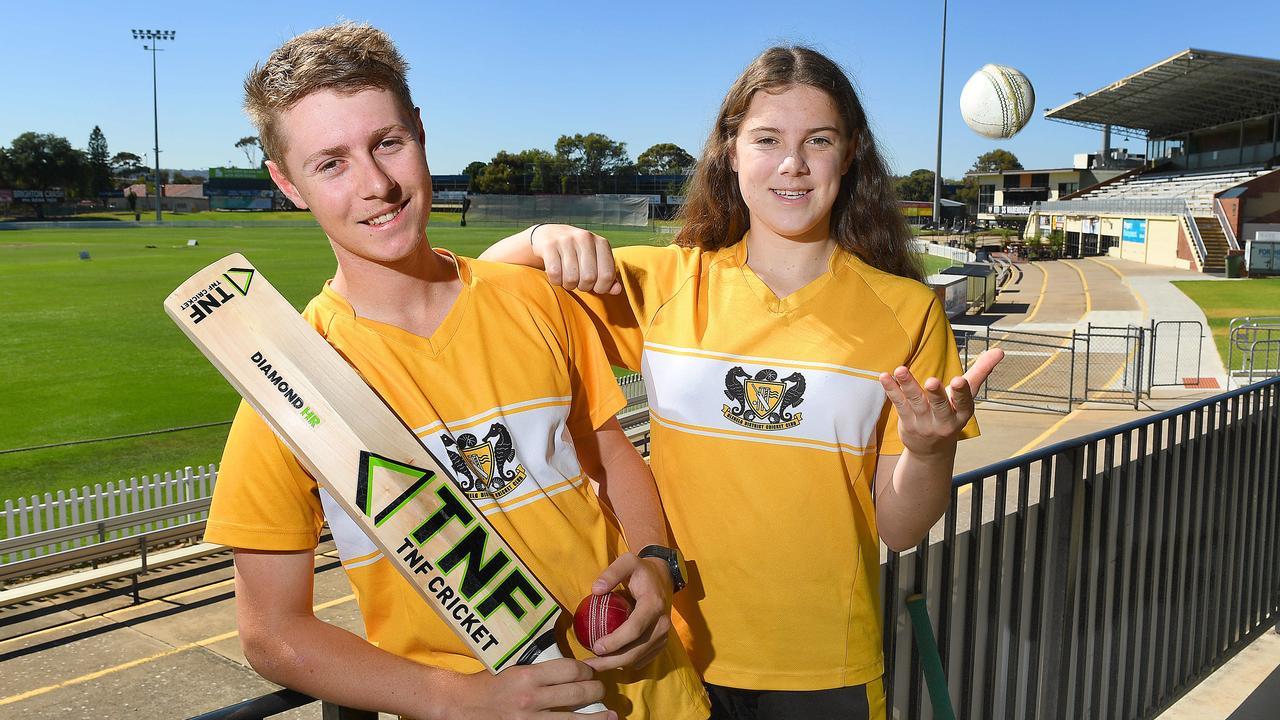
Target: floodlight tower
[154,37]
[937,172]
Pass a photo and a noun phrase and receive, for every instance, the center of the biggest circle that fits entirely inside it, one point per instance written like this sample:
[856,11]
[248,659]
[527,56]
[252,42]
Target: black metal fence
[1099,364]
[1100,577]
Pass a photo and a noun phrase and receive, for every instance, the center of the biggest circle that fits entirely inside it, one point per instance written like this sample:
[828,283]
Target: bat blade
[369,461]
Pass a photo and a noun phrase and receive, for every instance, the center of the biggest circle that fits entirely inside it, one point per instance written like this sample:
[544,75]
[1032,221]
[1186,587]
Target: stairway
[1215,245]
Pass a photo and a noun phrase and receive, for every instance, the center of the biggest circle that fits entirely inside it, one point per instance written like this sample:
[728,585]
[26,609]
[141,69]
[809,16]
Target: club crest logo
[763,402]
[480,466]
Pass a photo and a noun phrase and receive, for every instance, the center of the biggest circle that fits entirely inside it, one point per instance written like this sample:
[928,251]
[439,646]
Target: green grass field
[1222,301]
[89,352]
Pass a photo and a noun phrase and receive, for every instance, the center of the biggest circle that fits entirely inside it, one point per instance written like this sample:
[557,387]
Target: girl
[770,335]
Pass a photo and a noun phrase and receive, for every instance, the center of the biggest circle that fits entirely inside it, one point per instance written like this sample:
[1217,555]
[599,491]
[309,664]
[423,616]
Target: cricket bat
[372,464]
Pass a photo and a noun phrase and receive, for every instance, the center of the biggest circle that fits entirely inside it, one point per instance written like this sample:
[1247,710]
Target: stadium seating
[1196,187]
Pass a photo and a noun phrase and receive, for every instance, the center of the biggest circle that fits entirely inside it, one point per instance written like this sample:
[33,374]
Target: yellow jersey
[767,419]
[500,390]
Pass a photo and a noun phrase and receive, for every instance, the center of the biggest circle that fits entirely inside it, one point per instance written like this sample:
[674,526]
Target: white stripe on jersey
[687,391]
[351,541]
[543,445]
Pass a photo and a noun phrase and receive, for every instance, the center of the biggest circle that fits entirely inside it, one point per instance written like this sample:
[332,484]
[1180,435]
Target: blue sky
[514,75]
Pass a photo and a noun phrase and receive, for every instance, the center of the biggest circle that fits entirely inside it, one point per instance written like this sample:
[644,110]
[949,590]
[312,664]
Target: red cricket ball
[599,615]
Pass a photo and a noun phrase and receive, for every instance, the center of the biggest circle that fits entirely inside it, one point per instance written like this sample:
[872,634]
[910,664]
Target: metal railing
[1253,349]
[1129,206]
[1103,576]
[1221,213]
[1202,254]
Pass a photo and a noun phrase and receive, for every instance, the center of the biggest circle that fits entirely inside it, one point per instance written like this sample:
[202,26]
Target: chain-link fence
[1101,364]
[593,210]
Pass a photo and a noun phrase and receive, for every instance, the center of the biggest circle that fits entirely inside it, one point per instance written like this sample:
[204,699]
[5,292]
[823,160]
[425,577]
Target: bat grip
[553,653]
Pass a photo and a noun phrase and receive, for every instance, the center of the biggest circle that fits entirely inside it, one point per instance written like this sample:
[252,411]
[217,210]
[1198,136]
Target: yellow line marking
[1034,443]
[1044,285]
[1088,301]
[142,661]
[1146,312]
[1052,356]
[1052,429]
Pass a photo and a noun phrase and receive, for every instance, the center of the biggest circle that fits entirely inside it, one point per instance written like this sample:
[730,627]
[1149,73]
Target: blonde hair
[347,58]
[865,218]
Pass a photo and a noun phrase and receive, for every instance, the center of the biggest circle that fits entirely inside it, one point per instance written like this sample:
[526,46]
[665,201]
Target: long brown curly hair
[865,219]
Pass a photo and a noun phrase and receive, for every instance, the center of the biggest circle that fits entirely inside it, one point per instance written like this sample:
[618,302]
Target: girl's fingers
[911,390]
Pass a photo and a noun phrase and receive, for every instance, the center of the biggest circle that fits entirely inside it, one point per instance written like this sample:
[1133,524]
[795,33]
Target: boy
[461,350]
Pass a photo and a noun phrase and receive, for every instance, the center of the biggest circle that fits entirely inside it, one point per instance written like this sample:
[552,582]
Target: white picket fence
[954,254]
[88,504]
[72,507]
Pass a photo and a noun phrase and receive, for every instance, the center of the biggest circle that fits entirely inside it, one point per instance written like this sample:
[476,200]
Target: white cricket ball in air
[997,101]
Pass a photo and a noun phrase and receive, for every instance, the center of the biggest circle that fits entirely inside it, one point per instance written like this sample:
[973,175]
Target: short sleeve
[263,499]
[934,355]
[648,275]
[596,396]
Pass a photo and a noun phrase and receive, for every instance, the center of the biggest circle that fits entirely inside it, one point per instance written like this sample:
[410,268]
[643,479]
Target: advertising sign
[239,173]
[1134,231]
[1262,254]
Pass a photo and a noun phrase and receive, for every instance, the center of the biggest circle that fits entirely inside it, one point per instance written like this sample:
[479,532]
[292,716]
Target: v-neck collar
[790,303]
[433,345]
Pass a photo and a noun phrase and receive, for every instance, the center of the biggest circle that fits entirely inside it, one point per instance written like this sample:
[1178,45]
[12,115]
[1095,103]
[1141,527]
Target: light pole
[154,36]
[937,172]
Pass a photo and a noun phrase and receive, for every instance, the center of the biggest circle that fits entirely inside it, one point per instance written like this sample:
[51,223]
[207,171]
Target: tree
[126,164]
[530,170]
[967,193]
[998,160]
[501,175]
[591,155]
[251,146]
[99,162]
[542,168]
[41,161]
[473,171]
[664,159]
[916,186]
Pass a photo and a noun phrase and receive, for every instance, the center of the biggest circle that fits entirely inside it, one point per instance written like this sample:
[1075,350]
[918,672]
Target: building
[1211,123]
[1006,198]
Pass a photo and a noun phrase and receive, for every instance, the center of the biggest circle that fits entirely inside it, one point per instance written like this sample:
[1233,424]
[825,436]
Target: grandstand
[1211,122]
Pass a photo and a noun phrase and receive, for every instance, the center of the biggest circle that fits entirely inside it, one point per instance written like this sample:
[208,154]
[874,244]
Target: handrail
[1201,252]
[32,541]
[1221,213]
[100,550]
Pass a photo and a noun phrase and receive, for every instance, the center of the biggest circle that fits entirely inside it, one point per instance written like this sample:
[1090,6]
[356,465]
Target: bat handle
[553,653]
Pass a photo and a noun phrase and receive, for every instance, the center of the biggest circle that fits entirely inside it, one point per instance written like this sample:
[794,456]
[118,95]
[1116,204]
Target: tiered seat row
[1197,188]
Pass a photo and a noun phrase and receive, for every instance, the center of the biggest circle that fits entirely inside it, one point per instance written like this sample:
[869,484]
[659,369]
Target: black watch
[674,561]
